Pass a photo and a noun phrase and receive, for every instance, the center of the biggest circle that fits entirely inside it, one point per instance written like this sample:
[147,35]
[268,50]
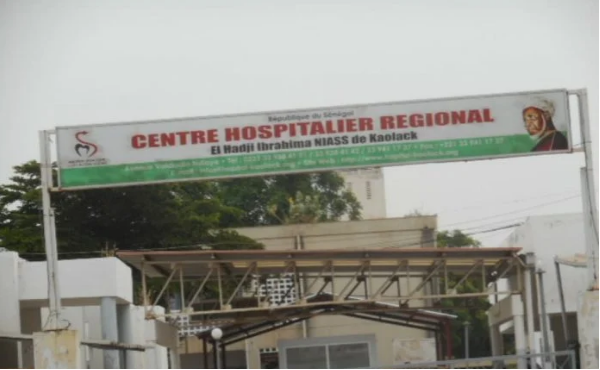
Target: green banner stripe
[256,163]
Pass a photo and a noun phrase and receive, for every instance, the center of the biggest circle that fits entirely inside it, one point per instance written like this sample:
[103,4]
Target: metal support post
[529,276]
[563,310]
[589,229]
[49,233]
[110,332]
[520,340]
[223,357]
[449,341]
[589,193]
[543,318]
[205,353]
[466,338]
[218,359]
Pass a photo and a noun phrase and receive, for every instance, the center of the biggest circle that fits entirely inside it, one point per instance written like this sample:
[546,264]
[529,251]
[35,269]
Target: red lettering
[351,125]
[167,139]
[442,118]
[429,119]
[213,136]
[264,132]
[317,128]
[416,120]
[232,134]
[487,115]
[138,141]
[198,137]
[154,141]
[386,122]
[459,117]
[475,116]
[365,124]
[249,133]
[332,129]
[182,137]
[280,129]
[303,128]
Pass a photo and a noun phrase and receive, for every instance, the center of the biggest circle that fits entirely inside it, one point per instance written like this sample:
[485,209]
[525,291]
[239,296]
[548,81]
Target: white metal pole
[543,319]
[49,233]
[529,276]
[218,354]
[589,190]
[110,331]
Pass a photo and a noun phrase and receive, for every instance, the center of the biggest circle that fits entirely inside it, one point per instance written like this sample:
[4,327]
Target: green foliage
[193,214]
[164,216]
[456,239]
[266,200]
[471,310]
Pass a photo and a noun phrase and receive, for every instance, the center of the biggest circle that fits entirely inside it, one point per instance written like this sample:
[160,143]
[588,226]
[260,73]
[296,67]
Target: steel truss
[373,273]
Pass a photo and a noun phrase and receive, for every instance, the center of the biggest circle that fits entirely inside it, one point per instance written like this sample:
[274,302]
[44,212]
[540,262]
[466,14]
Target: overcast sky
[79,62]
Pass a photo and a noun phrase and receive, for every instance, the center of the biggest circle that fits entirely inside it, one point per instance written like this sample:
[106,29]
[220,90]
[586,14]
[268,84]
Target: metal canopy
[373,272]
[198,263]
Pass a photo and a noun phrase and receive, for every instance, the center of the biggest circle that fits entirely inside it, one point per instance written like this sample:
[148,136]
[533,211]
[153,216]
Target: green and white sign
[388,134]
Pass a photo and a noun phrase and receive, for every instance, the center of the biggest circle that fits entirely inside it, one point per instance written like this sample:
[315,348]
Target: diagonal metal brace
[251,268]
[166,284]
[425,280]
[312,284]
[356,274]
[199,290]
[465,277]
[388,282]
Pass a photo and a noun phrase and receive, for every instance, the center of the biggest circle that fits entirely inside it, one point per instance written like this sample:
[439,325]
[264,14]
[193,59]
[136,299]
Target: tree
[456,239]
[148,217]
[266,200]
[191,214]
[472,310]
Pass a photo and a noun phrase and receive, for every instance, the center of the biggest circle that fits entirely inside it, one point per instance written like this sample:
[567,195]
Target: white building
[542,238]
[368,186]
[84,284]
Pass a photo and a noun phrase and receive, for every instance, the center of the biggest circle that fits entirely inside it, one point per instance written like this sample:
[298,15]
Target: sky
[73,62]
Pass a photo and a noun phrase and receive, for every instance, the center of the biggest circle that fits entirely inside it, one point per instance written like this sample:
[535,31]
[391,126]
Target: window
[341,355]
[349,356]
[307,357]
[368,189]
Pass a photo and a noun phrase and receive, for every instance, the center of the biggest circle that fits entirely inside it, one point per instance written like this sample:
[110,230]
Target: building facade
[368,186]
[332,333]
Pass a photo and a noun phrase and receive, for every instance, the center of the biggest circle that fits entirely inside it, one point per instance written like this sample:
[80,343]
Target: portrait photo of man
[537,117]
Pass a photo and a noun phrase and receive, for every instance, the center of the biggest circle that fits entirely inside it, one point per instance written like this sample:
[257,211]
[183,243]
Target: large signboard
[458,129]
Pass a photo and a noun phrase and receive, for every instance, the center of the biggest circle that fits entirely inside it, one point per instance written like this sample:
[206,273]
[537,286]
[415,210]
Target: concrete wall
[548,236]
[407,232]
[587,317]
[368,186]
[9,308]
[82,282]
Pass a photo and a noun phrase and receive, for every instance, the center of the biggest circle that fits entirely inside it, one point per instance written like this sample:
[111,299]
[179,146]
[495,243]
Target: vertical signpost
[588,194]
[49,232]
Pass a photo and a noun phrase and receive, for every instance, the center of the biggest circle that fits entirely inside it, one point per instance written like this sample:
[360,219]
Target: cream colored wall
[368,186]
[406,232]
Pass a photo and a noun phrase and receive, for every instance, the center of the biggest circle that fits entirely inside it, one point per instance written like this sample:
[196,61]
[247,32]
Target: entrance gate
[322,139]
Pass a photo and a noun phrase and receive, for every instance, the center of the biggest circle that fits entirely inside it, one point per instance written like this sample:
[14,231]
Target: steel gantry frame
[376,270]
